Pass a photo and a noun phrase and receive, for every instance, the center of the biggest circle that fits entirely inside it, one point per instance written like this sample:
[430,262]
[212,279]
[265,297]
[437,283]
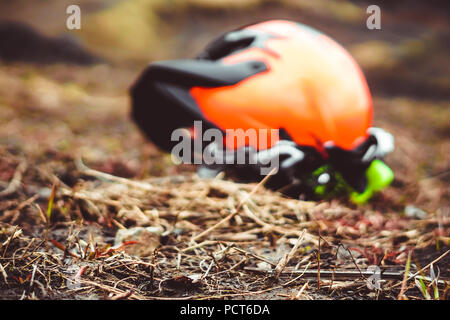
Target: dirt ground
[91,210]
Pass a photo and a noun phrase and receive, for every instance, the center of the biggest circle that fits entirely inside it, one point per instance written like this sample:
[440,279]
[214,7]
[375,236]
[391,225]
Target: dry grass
[218,239]
[213,239]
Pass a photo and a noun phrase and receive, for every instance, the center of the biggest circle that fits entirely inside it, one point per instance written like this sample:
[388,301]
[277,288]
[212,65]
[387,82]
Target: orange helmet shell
[312,88]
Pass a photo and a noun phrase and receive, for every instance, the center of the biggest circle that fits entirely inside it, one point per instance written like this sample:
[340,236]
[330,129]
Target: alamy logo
[74,20]
[234,146]
[374,20]
[373,282]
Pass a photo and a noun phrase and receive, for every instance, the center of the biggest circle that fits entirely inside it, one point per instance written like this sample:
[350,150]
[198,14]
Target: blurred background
[64,93]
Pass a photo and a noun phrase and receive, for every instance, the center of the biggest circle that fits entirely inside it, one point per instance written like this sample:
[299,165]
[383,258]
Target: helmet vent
[228,44]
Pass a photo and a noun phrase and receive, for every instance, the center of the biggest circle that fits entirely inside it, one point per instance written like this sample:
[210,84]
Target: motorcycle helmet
[275,75]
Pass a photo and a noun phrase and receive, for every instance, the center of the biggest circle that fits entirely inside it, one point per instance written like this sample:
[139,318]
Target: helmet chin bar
[293,165]
[305,170]
[283,158]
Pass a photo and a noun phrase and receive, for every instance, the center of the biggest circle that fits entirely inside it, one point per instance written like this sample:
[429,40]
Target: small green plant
[433,284]
[50,203]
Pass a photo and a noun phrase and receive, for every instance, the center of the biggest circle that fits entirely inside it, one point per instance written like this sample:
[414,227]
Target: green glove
[379,176]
